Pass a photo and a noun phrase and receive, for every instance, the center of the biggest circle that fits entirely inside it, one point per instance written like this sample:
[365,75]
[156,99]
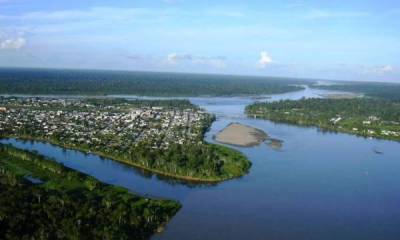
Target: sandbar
[241,135]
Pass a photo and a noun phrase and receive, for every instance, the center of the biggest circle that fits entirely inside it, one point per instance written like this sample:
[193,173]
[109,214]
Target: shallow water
[318,186]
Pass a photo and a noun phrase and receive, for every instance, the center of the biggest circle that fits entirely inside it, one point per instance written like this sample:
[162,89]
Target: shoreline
[328,129]
[194,180]
[62,171]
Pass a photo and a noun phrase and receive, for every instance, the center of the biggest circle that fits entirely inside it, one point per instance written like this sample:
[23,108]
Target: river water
[317,186]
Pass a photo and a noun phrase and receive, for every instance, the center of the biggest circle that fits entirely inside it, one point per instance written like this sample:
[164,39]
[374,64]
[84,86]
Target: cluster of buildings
[366,125]
[77,122]
[390,133]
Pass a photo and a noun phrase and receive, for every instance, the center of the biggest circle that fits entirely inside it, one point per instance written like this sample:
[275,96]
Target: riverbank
[70,198]
[241,135]
[364,117]
[228,154]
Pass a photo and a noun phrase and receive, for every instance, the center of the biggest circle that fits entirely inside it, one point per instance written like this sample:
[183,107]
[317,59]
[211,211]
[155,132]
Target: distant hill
[99,82]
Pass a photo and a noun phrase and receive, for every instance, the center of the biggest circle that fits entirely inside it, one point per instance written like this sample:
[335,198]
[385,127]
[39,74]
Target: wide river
[318,186]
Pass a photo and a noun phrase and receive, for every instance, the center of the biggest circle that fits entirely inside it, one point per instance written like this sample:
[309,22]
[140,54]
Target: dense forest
[60,203]
[85,82]
[206,162]
[361,116]
[388,91]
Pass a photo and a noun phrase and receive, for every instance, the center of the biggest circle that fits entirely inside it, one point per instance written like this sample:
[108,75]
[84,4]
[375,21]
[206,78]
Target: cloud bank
[384,69]
[175,58]
[12,43]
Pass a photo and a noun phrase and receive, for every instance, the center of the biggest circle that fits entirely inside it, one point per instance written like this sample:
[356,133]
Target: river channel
[319,185]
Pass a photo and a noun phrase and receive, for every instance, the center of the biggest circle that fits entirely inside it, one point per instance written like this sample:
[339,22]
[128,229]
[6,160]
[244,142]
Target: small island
[274,143]
[241,135]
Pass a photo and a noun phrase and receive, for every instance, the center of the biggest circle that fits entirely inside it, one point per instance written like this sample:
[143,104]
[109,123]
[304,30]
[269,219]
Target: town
[104,126]
[365,128]
[163,136]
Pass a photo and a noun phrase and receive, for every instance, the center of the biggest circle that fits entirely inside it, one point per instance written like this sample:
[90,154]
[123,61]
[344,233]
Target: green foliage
[40,81]
[361,116]
[70,205]
[203,162]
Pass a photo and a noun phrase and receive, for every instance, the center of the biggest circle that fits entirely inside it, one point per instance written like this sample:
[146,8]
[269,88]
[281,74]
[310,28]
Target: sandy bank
[341,95]
[241,135]
[274,143]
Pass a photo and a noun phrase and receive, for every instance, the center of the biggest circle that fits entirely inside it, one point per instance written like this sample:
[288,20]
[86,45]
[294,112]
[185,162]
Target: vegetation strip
[360,116]
[87,82]
[69,204]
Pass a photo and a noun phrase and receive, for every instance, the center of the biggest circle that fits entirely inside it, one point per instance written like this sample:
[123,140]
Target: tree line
[69,204]
[361,116]
[85,82]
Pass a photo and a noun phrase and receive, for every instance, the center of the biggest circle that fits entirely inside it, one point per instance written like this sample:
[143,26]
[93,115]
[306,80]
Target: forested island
[41,199]
[367,117]
[162,136]
[96,82]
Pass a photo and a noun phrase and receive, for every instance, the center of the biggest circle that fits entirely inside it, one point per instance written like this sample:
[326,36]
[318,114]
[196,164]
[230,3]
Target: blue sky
[346,40]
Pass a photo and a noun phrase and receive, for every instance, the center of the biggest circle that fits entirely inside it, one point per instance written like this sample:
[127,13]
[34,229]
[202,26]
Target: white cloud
[265,60]
[387,68]
[383,69]
[175,58]
[172,58]
[12,43]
